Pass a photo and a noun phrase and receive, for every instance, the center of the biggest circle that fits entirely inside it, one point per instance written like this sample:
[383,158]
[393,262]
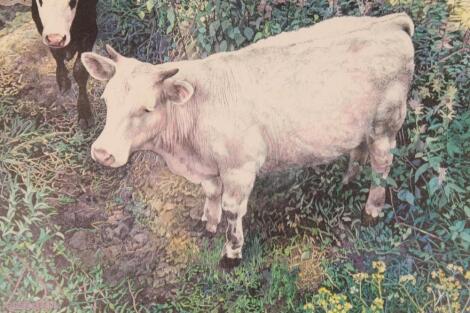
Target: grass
[306,250]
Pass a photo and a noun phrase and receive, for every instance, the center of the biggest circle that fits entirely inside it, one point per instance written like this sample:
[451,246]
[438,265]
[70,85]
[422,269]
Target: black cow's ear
[178,91]
[99,67]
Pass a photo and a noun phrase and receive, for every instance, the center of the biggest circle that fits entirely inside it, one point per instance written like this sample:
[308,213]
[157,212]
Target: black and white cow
[69,27]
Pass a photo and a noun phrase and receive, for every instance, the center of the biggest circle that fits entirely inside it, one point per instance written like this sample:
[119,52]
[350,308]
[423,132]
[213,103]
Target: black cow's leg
[61,71]
[85,117]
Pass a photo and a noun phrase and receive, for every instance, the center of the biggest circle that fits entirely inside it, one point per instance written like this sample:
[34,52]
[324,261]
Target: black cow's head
[56,17]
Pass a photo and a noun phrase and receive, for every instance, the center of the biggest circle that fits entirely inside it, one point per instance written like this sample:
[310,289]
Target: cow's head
[137,97]
[56,18]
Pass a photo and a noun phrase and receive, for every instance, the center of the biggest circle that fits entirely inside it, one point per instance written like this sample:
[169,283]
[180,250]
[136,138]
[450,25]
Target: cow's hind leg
[357,158]
[381,160]
[237,186]
[389,119]
[213,204]
[62,79]
[85,117]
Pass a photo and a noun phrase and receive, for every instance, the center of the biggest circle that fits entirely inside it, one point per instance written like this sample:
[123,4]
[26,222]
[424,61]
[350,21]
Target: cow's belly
[299,152]
[313,140]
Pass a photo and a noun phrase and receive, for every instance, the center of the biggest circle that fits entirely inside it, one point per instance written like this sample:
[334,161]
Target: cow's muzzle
[55,41]
[102,156]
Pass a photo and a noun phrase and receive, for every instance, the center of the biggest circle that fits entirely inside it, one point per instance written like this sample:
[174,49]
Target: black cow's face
[56,17]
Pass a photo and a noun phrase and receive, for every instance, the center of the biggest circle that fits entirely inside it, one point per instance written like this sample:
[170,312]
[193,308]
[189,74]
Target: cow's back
[312,100]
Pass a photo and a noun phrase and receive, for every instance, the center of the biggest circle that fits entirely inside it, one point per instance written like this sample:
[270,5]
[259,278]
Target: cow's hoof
[211,228]
[228,264]
[368,220]
[64,84]
[86,123]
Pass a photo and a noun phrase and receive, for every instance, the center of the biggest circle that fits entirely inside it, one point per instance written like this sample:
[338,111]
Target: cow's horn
[168,73]
[113,54]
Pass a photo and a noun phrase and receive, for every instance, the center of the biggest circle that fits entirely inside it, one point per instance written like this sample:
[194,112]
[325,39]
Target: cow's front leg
[213,204]
[237,186]
[61,73]
[85,117]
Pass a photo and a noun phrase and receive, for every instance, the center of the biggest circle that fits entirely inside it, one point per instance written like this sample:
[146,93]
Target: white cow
[299,98]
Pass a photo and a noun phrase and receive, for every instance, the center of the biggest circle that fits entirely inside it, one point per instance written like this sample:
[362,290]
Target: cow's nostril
[103,156]
[56,40]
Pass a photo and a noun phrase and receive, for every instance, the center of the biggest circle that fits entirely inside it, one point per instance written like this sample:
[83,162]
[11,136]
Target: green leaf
[213,28]
[226,24]
[467,211]
[223,46]
[406,195]
[170,15]
[433,185]
[248,32]
[423,168]
[465,235]
[258,36]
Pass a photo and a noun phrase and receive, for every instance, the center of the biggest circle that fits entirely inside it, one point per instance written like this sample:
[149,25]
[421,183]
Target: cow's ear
[178,91]
[99,67]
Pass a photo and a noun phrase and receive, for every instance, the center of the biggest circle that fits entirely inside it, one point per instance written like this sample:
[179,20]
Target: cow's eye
[40,3]
[72,3]
[146,110]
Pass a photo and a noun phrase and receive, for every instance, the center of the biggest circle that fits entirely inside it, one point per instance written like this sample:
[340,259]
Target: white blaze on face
[56,17]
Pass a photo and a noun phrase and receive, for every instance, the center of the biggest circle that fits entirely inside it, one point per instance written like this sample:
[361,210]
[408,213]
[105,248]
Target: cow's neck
[178,132]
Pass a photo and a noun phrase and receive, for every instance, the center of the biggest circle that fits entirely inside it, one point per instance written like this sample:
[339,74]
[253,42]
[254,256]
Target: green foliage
[249,288]
[31,253]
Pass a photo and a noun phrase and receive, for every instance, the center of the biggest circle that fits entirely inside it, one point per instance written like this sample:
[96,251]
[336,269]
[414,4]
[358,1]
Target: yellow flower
[467,275]
[377,305]
[408,278]
[455,268]
[379,266]
[358,277]
[308,306]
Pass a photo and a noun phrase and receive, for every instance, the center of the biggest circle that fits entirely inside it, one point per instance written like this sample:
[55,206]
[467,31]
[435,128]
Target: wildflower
[467,275]
[378,277]
[353,290]
[377,305]
[309,306]
[408,278]
[330,302]
[455,268]
[358,277]
[442,177]
[379,266]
